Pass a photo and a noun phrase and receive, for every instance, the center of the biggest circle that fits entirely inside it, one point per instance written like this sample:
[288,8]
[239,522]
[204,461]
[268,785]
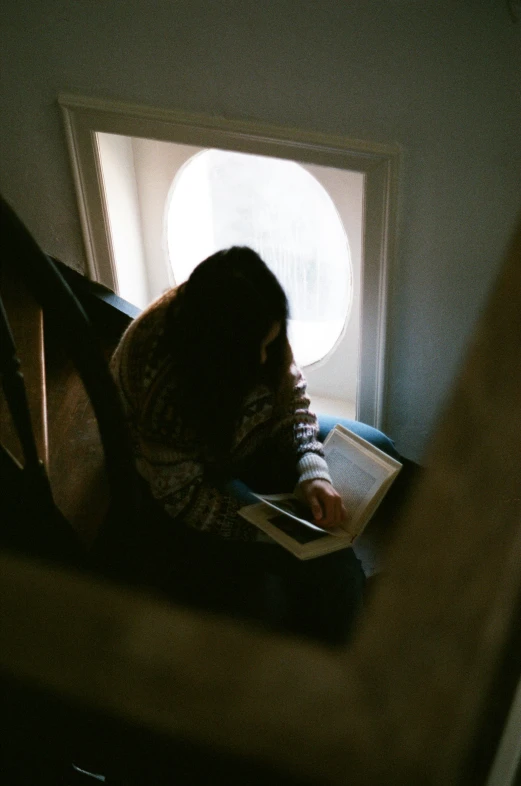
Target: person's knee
[381,441]
[369,433]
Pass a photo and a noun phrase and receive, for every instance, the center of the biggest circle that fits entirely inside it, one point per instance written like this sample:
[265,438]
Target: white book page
[290,505]
[356,473]
[304,542]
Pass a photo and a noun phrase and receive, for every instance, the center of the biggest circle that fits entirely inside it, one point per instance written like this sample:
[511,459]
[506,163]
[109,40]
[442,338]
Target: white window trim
[85,116]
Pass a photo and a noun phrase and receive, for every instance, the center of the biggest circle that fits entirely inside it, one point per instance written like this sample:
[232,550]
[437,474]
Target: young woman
[216,406]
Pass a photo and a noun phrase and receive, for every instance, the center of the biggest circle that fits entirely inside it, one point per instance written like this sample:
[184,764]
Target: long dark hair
[215,326]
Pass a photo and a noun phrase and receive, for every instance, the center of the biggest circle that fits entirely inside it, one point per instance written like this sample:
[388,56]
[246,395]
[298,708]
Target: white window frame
[84,117]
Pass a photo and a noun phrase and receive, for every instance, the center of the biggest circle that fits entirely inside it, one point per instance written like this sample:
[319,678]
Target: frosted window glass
[220,199]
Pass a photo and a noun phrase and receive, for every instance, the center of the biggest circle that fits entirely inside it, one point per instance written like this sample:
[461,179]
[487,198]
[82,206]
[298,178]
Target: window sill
[333,406]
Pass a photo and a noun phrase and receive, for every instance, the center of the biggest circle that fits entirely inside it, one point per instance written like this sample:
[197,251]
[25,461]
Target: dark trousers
[267,585]
[319,598]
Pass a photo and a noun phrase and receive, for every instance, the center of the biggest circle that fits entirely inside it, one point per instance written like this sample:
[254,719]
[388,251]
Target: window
[123,186]
[221,198]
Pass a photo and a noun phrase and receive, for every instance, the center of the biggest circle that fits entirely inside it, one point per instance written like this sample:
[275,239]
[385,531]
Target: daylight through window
[219,199]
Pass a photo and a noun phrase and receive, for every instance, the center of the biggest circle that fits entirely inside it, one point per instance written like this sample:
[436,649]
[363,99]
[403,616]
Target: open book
[361,473]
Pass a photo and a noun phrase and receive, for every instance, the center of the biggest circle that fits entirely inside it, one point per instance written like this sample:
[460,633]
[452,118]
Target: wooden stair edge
[26,322]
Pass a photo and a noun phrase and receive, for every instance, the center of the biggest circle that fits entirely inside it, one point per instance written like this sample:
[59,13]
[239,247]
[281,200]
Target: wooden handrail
[25,319]
[61,308]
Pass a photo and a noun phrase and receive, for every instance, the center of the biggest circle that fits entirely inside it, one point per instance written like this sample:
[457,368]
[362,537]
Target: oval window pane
[221,199]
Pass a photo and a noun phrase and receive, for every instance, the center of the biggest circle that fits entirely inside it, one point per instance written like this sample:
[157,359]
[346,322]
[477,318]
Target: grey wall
[442,79]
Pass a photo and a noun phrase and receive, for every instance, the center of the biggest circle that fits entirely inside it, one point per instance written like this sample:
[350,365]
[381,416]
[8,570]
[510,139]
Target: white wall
[156,165]
[439,77]
[123,209]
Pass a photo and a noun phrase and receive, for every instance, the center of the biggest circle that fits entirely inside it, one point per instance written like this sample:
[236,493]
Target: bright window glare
[221,199]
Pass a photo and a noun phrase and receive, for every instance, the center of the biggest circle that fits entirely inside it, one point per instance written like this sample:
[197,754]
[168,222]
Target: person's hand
[324,501]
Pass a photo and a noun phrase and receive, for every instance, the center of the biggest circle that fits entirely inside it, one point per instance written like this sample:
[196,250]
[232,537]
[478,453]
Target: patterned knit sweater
[179,472]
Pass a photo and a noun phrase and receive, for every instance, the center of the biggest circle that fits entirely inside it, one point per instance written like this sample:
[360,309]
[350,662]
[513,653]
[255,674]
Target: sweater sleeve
[176,475]
[297,432]
[180,483]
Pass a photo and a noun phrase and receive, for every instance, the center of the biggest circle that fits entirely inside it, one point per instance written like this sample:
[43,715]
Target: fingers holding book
[324,502]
